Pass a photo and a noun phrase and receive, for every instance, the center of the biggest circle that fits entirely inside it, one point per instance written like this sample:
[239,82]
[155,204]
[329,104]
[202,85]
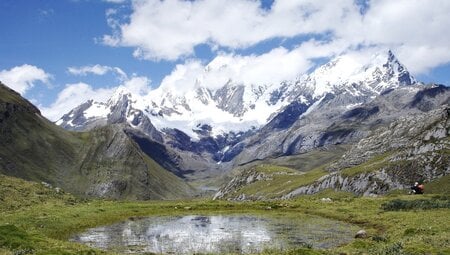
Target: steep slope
[203,131]
[237,107]
[104,162]
[414,147]
[339,119]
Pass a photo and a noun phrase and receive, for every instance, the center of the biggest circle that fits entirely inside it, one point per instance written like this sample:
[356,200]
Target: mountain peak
[378,72]
[397,68]
[239,107]
[120,94]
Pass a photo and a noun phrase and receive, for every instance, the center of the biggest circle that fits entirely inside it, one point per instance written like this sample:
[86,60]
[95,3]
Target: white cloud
[258,70]
[24,77]
[414,29]
[76,94]
[137,85]
[170,29]
[97,70]
[72,96]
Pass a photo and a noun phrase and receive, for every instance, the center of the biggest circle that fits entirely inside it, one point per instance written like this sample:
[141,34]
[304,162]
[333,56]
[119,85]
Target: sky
[60,53]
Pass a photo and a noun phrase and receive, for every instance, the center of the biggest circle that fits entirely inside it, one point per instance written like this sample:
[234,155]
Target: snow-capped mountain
[237,107]
[202,132]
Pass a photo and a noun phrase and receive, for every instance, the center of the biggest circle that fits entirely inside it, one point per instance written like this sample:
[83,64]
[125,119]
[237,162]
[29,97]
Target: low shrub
[422,204]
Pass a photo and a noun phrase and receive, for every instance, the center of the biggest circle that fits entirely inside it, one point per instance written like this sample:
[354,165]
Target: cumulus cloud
[72,96]
[415,29]
[169,30]
[76,94]
[138,85]
[257,70]
[24,77]
[97,70]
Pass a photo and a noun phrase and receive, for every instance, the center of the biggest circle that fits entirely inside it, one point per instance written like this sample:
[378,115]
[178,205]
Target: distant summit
[237,107]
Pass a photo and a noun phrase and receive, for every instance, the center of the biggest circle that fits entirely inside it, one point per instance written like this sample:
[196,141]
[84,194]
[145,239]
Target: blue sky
[42,39]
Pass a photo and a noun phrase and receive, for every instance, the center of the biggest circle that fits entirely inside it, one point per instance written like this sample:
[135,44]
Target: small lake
[217,234]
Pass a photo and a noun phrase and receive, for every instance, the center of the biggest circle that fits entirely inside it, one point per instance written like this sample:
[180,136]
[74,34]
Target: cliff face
[412,148]
[415,147]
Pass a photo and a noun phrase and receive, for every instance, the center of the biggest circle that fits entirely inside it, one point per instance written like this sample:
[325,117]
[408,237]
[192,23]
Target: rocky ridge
[103,162]
[217,129]
[417,149]
[408,143]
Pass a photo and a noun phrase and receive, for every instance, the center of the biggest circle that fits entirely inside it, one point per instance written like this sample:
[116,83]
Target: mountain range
[167,142]
[103,162]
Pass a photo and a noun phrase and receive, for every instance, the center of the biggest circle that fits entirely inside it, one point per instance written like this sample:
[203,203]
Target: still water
[217,234]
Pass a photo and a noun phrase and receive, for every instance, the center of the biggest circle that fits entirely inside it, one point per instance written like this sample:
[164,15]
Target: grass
[278,181]
[18,194]
[418,204]
[371,165]
[439,186]
[85,163]
[14,238]
[307,161]
[44,226]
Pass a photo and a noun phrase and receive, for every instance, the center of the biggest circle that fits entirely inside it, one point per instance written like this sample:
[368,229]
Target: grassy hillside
[35,219]
[273,181]
[392,157]
[279,176]
[104,162]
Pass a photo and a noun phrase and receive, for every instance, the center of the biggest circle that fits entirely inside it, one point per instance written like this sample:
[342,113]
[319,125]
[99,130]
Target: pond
[217,234]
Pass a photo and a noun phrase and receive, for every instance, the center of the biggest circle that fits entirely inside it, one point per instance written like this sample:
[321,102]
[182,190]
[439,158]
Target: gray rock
[361,234]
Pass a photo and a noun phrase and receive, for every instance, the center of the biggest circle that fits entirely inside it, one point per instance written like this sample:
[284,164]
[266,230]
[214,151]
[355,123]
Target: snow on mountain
[235,106]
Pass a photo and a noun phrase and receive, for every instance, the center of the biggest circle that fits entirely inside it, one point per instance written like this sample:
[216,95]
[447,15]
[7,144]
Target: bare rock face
[111,166]
[312,112]
[230,99]
[368,184]
[415,147]
[237,182]
[390,157]
[331,121]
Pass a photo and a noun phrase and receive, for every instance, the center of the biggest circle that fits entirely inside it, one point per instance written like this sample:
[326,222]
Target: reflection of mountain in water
[215,234]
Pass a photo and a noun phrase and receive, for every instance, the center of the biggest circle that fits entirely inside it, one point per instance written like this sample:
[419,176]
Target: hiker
[417,188]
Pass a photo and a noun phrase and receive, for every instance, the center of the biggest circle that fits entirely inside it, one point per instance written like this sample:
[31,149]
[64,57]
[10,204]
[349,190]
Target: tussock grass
[417,204]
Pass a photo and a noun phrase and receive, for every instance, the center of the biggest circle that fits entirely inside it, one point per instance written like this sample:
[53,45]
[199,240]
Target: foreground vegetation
[35,219]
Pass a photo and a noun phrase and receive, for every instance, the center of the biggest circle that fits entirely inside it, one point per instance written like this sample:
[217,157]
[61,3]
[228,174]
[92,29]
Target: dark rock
[289,115]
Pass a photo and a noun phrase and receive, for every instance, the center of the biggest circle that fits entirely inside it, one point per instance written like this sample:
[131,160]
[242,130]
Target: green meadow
[39,220]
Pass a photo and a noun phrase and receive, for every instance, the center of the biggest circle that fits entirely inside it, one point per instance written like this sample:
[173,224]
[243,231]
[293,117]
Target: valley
[255,127]
[347,154]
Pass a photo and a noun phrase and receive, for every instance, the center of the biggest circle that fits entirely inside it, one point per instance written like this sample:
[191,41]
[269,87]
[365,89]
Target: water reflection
[215,234]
